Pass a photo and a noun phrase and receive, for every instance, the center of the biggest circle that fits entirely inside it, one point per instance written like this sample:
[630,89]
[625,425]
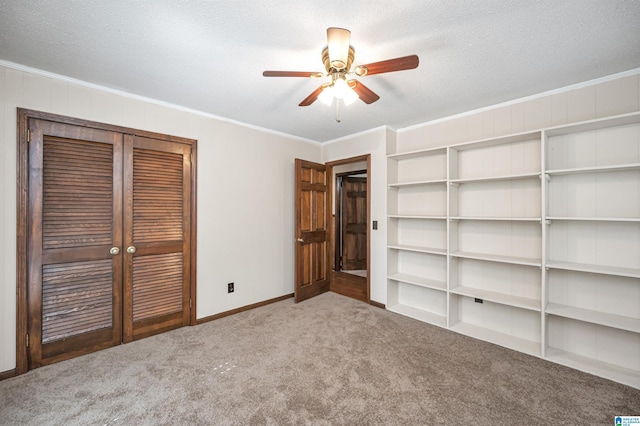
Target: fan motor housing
[327,63]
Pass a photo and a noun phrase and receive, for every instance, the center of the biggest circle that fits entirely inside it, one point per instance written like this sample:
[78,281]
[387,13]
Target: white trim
[133,96]
[353,135]
[629,73]
[129,95]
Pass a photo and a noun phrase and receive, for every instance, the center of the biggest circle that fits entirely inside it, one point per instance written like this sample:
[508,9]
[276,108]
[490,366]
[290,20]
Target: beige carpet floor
[328,361]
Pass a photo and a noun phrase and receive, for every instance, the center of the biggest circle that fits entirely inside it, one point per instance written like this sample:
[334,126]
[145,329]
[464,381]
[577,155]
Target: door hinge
[27,339]
[28,135]
[190,304]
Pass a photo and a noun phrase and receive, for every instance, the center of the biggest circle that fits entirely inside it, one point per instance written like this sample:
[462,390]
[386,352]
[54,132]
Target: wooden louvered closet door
[157,224]
[109,243]
[75,202]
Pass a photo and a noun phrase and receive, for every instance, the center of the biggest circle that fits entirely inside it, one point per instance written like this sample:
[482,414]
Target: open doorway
[350,232]
[316,230]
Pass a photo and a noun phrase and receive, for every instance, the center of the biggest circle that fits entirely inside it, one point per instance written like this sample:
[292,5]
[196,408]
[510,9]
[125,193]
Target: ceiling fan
[337,58]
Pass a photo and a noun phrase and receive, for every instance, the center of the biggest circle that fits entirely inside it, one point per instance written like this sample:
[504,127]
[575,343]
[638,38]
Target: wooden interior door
[353,221]
[311,222]
[157,231]
[75,267]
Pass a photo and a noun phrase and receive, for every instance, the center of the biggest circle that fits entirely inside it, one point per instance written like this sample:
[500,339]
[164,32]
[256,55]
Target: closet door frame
[23,224]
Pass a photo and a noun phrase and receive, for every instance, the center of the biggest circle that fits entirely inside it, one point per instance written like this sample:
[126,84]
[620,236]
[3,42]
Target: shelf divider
[498,219]
[419,281]
[594,317]
[401,216]
[417,153]
[496,297]
[599,368]
[594,269]
[498,178]
[498,258]
[595,169]
[594,219]
[492,336]
[419,249]
[419,314]
[417,183]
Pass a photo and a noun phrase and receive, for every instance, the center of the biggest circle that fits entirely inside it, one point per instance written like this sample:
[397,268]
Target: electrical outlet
[230,288]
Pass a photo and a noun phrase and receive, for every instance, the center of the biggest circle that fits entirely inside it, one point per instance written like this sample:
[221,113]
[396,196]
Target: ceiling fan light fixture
[350,97]
[326,96]
[338,40]
[342,91]
[337,58]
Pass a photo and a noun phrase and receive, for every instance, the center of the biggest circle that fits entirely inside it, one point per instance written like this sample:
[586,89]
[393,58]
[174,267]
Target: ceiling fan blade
[291,74]
[313,96]
[366,94]
[390,65]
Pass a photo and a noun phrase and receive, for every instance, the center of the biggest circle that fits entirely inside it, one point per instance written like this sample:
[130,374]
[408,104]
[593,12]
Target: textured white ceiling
[209,55]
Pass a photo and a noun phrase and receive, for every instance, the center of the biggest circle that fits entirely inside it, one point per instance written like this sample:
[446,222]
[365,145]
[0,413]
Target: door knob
[114,250]
[131,249]
[300,240]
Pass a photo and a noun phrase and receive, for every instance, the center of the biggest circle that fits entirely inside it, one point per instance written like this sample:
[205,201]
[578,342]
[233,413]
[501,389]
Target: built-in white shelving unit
[417,235]
[530,241]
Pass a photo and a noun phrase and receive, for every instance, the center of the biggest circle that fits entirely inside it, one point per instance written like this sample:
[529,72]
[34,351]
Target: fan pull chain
[337,110]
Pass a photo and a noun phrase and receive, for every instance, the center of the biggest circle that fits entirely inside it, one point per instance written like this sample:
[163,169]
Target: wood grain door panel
[311,210]
[77,298]
[157,223]
[354,223]
[75,200]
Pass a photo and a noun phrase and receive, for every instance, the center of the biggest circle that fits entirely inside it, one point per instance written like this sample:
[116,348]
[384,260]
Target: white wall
[245,228]
[245,192]
[372,142]
[600,98]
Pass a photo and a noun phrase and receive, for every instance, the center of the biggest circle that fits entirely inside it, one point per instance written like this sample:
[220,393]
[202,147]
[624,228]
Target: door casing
[22,225]
[336,276]
[329,253]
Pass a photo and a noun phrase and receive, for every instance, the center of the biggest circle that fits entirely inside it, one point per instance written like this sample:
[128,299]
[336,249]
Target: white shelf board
[594,219]
[497,178]
[496,297]
[415,216]
[516,343]
[419,249]
[526,261]
[594,317]
[418,153]
[598,368]
[594,269]
[482,143]
[599,123]
[595,169]
[419,314]
[417,183]
[419,281]
[502,219]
